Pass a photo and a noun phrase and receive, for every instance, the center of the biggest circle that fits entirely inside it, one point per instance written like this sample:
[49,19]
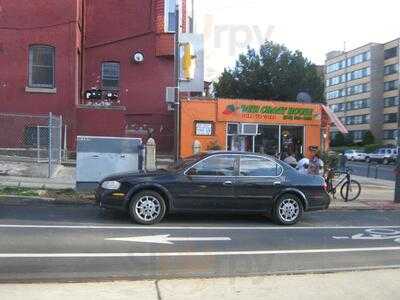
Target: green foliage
[274,72]
[338,140]
[19,191]
[348,140]
[214,146]
[372,147]
[330,159]
[368,138]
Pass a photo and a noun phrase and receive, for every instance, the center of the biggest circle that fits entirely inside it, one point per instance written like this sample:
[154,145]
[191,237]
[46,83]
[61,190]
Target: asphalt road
[79,243]
[377,171]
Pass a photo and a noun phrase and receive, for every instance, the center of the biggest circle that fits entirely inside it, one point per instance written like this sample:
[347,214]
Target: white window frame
[166,14]
[30,67]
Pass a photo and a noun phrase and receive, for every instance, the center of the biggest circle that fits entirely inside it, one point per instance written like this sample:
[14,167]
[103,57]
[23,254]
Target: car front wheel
[288,210]
[147,208]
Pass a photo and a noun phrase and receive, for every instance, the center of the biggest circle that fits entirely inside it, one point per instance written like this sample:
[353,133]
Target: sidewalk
[64,179]
[379,284]
[375,194]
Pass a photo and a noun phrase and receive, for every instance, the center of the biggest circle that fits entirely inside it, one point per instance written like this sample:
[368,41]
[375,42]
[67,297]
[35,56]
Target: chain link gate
[30,145]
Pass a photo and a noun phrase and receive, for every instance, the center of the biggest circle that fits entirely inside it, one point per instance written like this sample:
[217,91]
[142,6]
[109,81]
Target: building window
[36,136]
[357,120]
[391,85]
[391,69]
[41,66]
[335,94]
[390,118]
[357,134]
[170,19]
[357,104]
[110,73]
[357,89]
[391,101]
[204,128]
[390,134]
[390,53]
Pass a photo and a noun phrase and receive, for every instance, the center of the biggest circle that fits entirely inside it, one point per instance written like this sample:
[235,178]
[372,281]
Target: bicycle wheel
[354,188]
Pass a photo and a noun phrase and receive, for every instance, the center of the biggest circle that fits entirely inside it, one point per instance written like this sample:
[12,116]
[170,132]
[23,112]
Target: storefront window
[292,141]
[267,140]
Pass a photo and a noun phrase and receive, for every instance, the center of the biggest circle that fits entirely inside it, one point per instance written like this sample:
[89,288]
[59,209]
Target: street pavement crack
[158,290]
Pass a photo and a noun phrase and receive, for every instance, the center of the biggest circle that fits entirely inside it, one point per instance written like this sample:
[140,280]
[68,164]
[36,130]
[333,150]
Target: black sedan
[216,182]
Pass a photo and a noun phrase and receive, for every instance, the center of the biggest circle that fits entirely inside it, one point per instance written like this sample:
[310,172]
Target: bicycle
[350,189]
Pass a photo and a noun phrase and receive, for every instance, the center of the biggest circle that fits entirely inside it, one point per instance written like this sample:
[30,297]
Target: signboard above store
[270,111]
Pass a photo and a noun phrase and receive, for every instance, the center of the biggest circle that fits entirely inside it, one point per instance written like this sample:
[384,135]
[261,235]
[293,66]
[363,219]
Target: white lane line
[211,253]
[192,227]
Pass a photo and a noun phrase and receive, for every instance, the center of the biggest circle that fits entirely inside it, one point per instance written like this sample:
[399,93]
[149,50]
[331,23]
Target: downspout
[82,59]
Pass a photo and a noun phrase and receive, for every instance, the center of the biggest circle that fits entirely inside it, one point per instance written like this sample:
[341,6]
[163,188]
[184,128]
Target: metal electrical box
[99,157]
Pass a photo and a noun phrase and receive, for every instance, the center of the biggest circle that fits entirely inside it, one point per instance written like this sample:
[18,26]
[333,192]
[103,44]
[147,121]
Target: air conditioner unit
[248,129]
[170,94]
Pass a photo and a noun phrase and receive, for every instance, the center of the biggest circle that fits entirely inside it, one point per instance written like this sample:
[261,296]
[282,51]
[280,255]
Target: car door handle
[277,183]
[227,183]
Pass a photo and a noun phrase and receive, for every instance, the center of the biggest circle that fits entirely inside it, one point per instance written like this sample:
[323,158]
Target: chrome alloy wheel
[148,208]
[289,210]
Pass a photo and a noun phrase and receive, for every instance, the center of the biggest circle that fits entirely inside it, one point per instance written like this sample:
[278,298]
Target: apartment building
[362,88]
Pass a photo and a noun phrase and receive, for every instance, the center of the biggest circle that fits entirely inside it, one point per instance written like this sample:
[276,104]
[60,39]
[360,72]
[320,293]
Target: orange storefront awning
[335,120]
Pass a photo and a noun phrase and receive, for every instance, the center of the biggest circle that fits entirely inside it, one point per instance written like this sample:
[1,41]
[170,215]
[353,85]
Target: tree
[368,138]
[274,72]
[338,140]
[349,139]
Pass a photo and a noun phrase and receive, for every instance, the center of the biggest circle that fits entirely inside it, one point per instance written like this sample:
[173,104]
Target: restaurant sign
[269,112]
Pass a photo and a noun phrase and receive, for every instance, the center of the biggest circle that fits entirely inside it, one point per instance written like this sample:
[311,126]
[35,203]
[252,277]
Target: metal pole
[177,73]
[38,142]
[49,143]
[60,140]
[397,171]
[65,144]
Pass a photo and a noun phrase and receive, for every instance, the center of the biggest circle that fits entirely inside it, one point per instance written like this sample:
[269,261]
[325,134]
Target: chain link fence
[30,145]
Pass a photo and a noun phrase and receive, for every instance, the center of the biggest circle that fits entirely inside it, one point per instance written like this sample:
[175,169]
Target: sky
[314,27]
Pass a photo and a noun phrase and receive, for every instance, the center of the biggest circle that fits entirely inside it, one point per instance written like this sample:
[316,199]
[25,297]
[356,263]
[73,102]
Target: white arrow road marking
[177,254]
[166,239]
[374,234]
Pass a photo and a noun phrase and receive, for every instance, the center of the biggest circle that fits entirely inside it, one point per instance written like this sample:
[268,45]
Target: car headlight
[111,185]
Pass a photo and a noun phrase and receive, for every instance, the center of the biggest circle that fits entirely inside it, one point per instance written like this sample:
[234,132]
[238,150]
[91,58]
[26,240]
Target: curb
[25,200]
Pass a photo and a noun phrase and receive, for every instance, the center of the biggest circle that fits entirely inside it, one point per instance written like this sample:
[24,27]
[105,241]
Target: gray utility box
[99,157]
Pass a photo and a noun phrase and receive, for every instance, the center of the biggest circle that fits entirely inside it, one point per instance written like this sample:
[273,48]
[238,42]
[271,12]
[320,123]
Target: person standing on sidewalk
[316,165]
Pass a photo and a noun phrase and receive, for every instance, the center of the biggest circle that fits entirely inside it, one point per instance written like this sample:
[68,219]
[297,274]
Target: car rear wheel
[367,159]
[385,161]
[147,208]
[288,210]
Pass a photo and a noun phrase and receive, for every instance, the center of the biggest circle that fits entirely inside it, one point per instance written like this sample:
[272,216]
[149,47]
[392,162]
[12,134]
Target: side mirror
[191,172]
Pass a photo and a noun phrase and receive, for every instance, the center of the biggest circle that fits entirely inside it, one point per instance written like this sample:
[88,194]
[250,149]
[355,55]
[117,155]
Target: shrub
[368,138]
[214,146]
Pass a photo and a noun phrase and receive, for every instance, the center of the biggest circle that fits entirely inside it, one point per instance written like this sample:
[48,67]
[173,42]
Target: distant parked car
[353,155]
[383,155]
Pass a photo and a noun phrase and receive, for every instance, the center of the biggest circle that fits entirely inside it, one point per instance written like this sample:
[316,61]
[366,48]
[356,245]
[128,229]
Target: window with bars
[110,75]
[41,66]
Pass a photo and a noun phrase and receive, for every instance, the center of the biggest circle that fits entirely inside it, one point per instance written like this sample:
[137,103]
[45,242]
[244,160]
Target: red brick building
[52,52]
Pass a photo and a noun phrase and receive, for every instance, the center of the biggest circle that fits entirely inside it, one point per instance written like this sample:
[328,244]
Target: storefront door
[292,141]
